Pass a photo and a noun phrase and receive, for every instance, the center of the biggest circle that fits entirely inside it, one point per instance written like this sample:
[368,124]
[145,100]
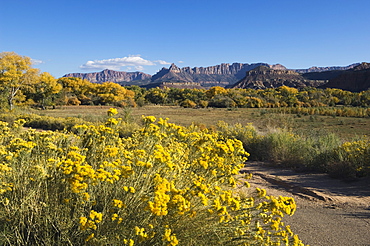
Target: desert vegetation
[164,185]
[23,85]
[101,174]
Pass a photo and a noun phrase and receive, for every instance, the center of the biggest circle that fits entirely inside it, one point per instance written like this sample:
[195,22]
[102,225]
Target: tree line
[23,85]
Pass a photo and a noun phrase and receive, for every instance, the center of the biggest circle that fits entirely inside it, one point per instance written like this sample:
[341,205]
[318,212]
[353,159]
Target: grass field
[345,127]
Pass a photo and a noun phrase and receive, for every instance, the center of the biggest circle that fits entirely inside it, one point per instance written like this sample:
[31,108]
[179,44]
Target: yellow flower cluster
[112,111]
[161,198]
[166,184]
[170,238]
[356,155]
[91,221]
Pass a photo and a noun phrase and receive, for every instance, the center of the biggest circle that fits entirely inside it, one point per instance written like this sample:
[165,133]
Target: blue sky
[146,35]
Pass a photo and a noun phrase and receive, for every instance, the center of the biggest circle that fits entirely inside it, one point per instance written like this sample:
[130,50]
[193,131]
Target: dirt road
[330,212]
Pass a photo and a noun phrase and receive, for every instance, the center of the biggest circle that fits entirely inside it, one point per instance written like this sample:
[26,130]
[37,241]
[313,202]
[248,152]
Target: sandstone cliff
[324,69]
[356,79]
[180,85]
[110,75]
[225,75]
[264,77]
[219,75]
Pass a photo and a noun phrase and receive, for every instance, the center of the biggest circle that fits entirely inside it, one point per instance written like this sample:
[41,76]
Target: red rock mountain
[264,77]
[219,75]
[356,79]
[241,75]
[111,75]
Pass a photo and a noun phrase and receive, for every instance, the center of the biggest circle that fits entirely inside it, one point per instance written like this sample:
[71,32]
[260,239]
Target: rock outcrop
[219,75]
[241,75]
[180,85]
[111,75]
[324,69]
[356,79]
[264,77]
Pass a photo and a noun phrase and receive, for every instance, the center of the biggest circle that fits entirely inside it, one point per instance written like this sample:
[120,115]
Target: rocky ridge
[219,75]
[325,69]
[264,77]
[111,75]
[227,75]
[356,79]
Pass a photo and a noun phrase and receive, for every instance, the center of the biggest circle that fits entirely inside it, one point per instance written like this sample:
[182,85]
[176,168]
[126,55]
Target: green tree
[139,94]
[15,73]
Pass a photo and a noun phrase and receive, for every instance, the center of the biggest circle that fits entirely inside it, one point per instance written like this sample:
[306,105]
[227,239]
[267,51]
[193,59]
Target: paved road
[330,212]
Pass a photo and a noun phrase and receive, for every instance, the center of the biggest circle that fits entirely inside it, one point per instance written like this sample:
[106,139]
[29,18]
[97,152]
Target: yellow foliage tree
[46,86]
[216,90]
[112,93]
[76,89]
[15,73]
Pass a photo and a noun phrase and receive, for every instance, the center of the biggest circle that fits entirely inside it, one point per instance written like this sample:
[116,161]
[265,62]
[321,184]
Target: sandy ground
[330,211]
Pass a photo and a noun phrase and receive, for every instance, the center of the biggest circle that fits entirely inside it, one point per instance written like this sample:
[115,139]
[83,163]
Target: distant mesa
[112,76]
[354,77]
[325,69]
[219,75]
[264,77]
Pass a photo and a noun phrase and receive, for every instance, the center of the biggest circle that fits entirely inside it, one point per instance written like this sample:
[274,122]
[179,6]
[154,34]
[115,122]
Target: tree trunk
[43,104]
[10,102]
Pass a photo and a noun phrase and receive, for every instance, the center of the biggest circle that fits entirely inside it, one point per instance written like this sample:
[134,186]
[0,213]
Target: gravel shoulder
[329,211]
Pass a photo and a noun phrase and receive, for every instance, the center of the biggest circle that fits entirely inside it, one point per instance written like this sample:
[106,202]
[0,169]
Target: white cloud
[163,62]
[135,61]
[36,62]
[180,61]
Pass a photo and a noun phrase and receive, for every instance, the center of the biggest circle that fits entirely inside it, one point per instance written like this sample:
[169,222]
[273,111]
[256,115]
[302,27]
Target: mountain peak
[362,66]
[264,77]
[278,67]
[174,68]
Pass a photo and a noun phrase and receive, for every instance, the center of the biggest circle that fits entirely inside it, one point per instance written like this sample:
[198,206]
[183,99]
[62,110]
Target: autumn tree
[156,96]
[364,98]
[216,90]
[271,97]
[15,73]
[115,94]
[289,95]
[45,87]
[76,90]
[177,95]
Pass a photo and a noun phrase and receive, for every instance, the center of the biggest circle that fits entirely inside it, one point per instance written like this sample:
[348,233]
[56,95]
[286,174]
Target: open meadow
[117,177]
[347,128]
[182,169]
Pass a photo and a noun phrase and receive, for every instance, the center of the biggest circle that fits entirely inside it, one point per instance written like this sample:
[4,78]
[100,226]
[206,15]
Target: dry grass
[346,127]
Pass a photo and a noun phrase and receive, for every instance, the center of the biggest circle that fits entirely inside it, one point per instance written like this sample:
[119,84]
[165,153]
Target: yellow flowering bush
[112,111]
[352,159]
[164,185]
